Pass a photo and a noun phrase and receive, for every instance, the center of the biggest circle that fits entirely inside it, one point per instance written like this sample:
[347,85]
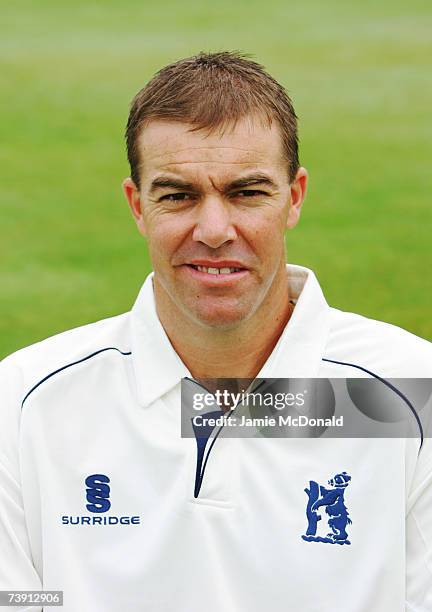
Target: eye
[175,197]
[249,193]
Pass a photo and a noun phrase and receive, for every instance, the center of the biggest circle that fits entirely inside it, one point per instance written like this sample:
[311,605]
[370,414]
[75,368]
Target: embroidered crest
[333,500]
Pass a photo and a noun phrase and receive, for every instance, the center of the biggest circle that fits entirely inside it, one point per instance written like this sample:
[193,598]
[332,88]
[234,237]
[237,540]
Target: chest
[109,487]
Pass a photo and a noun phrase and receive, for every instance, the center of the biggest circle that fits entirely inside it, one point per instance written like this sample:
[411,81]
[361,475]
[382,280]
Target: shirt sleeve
[17,571]
[419,534]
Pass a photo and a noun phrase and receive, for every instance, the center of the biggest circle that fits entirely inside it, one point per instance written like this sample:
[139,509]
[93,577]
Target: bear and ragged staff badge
[335,508]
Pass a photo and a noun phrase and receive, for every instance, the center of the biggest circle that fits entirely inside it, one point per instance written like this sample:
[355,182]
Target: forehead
[174,146]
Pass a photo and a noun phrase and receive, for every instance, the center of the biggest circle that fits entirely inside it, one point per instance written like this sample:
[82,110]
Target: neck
[210,353]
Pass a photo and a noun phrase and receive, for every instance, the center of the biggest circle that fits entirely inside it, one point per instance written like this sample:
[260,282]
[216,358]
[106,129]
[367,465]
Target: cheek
[265,232]
[165,234]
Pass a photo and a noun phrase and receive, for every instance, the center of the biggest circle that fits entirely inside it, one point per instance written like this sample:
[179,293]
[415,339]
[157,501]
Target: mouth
[216,270]
[216,274]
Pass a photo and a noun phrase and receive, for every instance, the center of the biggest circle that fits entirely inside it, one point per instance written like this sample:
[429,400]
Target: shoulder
[385,349]
[26,367]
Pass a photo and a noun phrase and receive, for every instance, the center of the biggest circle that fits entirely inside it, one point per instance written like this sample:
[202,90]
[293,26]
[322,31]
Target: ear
[298,189]
[133,198]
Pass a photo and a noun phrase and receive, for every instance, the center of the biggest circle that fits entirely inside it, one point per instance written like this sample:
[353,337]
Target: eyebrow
[171,183]
[248,181]
[168,182]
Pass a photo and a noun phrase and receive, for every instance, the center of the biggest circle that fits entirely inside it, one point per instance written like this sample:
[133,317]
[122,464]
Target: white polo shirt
[97,486]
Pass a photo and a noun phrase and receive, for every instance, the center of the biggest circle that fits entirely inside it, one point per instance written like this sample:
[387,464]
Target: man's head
[215,181]
[212,92]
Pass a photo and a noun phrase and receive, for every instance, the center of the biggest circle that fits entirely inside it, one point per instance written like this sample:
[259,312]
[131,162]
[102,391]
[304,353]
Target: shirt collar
[157,366]
[299,350]
[298,353]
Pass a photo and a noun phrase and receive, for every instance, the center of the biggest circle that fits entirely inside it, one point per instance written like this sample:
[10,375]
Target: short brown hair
[210,91]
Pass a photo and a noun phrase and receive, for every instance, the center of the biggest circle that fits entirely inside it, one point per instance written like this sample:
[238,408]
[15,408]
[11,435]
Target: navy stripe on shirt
[389,385]
[69,365]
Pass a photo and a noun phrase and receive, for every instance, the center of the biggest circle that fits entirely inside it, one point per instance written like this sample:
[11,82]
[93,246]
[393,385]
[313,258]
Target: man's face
[214,208]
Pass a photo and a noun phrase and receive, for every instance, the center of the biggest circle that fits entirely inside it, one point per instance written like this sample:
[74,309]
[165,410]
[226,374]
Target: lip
[215,280]
[220,263]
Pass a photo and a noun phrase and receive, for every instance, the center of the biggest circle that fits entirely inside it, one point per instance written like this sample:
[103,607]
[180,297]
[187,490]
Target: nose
[214,225]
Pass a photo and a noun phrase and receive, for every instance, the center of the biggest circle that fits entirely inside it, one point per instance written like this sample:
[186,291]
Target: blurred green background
[360,77]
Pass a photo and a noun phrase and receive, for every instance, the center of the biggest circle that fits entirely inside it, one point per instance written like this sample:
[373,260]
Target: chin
[220,318]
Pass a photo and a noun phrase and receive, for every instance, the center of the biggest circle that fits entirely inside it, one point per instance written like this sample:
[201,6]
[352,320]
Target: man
[102,498]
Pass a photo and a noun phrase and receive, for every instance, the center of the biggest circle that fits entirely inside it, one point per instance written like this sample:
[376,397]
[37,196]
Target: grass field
[359,74]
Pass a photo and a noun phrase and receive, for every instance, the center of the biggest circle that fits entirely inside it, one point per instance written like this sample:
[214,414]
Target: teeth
[216,270]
